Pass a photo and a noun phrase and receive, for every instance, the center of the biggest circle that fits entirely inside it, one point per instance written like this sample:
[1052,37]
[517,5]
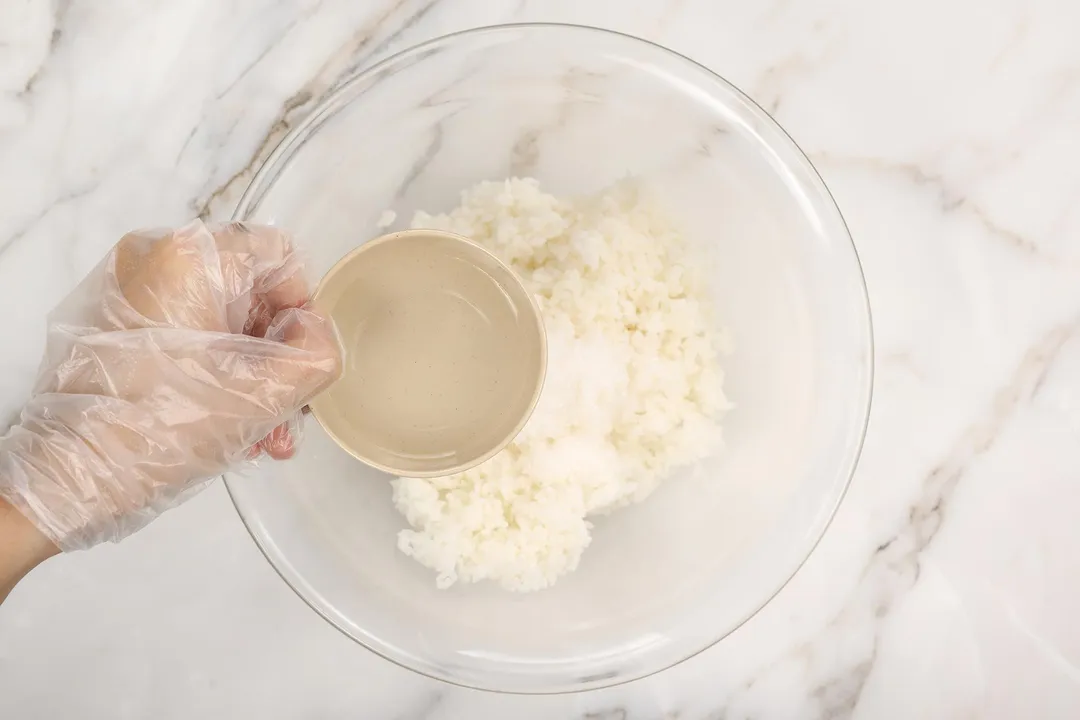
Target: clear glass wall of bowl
[580,109]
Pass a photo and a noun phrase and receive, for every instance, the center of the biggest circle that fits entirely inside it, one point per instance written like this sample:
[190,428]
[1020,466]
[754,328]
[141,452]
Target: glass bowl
[580,108]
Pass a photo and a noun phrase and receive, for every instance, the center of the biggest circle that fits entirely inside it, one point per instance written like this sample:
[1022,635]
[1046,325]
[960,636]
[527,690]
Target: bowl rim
[272,165]
[518,291]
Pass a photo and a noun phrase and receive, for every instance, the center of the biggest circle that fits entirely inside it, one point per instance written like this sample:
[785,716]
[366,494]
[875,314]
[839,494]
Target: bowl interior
[580,109]
[444,353]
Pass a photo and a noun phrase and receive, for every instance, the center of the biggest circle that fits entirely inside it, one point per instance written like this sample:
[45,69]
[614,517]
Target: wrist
[22,547]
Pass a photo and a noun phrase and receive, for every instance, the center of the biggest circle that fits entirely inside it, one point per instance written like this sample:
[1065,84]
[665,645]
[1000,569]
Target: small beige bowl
[445,353]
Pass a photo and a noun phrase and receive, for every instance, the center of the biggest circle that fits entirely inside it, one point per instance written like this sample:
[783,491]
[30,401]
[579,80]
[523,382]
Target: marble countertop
[948,585]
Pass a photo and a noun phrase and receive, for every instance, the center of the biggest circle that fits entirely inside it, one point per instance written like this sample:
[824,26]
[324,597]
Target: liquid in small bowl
[445,353]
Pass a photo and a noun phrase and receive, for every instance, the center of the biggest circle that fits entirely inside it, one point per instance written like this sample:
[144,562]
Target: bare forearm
[22,548]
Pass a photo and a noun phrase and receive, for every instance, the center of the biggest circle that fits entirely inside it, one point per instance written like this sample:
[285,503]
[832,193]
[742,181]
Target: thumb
[311,332]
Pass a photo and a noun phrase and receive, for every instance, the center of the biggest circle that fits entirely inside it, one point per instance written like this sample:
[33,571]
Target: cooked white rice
[633,387]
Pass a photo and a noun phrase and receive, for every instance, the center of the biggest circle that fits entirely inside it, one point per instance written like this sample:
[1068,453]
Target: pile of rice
[633,387]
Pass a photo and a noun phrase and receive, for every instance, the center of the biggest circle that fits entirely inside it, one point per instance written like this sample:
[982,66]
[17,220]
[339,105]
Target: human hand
[181,355]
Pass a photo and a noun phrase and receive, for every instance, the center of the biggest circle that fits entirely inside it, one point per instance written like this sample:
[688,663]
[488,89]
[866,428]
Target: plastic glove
[165,367]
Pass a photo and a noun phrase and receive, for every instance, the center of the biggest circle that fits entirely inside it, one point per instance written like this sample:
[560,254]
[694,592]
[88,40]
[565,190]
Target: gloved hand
[180,356]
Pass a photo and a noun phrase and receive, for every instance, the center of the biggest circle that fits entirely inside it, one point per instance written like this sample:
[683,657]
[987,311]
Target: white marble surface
[949,131]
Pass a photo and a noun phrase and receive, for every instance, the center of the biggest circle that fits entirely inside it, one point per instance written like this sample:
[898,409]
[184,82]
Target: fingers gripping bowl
[580,109]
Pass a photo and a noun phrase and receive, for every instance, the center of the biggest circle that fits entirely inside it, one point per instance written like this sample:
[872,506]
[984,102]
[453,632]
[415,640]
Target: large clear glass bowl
[580,108]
